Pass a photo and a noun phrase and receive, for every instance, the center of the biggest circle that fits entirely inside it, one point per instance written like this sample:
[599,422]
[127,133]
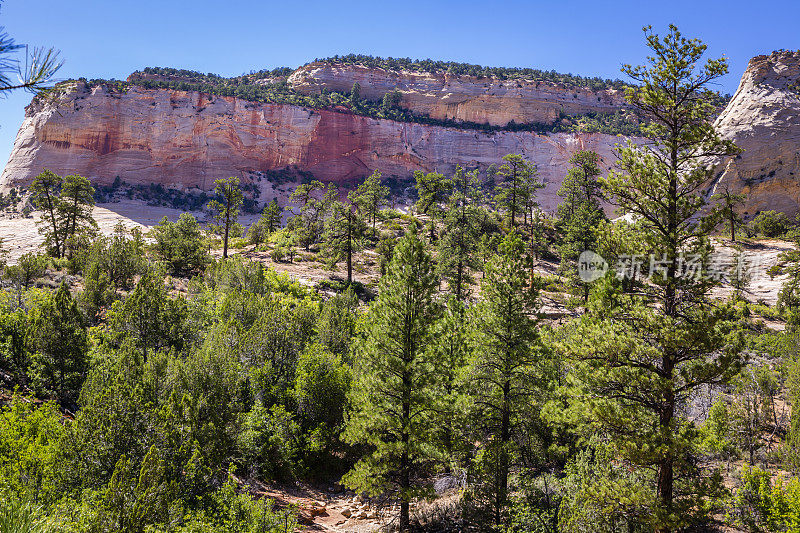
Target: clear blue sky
[112,38]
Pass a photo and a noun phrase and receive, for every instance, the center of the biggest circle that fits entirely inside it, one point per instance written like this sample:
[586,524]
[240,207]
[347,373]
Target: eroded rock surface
[187,140]
[763,118]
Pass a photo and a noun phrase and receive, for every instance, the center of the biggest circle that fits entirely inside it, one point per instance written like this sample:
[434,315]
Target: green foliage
[771,224]
[505,372]
[390,395]
[637,357]
[433,190]
[269,222]
[601,494]
[150,317]
[261,87]
[337,322]
[269,442]
[321,387]
[30,267]
[313,201]
[580,214]
[459,241]
[181,244]
[344,230]
[58,340]
[74,214]
[764,504]
[225,208]
[478,71]
[45,189]
[716,432]
[19,515]
[370,197]
[789,295]
[516,189]
[727,205]
[29,446]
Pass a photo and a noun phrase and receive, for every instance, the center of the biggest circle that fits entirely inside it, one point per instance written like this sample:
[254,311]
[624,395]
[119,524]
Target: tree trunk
[51,209]
[502,460]
[405,467]
[349,248]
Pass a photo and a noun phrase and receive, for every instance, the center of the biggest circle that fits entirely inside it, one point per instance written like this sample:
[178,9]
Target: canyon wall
[763,118]
[465,98]
[188,139]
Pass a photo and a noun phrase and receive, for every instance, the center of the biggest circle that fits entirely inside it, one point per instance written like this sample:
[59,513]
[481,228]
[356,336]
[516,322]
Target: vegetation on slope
[158,385]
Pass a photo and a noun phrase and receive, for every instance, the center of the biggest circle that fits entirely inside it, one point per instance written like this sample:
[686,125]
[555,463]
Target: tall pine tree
[517,186]
[639,357]
[392,391]
[579,214]
[459,242]
[370,197]
[226,207]
[344,231]
[504,373]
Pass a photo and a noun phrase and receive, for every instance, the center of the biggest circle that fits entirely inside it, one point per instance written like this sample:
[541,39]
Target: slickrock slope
[188,139]
[465,98]
[764,118]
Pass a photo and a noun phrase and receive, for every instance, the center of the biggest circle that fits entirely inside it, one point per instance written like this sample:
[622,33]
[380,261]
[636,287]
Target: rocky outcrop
[763,118]
[188,139]
[442,95]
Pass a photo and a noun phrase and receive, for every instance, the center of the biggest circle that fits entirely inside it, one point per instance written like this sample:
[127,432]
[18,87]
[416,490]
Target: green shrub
[278,254]
[182,244]
[268,442]
[29,445]
[759,504]
[771,224]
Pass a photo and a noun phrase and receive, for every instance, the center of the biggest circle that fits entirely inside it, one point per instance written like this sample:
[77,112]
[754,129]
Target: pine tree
[267,224]
[272,216]
[370,197]
[459,242]
[75,207]
[344,230]
[449,353]
[58,340]
[226,207]
[727,207]
[45,189]
[433,190]
[504,374]
[517,186]
[639,358]
[391,394]
[580,212]
[309,213]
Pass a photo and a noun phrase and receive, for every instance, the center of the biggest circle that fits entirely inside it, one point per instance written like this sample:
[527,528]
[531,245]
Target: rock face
[463,98]
[763,118]
[188,139]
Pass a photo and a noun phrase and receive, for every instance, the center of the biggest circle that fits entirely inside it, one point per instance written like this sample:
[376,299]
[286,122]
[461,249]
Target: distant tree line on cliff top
[478,71]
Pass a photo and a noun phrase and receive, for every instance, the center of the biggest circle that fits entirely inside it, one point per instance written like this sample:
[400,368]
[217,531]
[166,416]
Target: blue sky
[112,38]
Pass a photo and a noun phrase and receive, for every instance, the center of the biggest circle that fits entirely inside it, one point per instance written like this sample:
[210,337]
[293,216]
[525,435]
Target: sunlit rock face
[188,139]
[763,118]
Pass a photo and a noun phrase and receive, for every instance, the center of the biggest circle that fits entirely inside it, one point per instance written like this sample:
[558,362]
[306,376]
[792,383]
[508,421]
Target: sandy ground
[20,235]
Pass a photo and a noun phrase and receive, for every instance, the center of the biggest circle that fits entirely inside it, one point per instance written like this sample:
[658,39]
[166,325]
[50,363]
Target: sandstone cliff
[188,139]
[763,118]
[442,95]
